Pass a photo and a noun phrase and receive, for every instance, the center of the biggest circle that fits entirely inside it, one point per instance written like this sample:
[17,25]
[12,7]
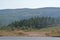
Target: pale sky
[12,4]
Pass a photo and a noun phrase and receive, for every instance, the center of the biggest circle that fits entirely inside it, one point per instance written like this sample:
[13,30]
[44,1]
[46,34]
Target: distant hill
[10,15]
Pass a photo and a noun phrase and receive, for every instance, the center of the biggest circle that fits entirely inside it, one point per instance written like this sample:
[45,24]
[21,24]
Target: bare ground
[36,34]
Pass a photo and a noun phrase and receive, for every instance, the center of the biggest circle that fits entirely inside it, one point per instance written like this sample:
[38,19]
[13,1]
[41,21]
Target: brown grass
[23,33]
[12,33]
[53,33]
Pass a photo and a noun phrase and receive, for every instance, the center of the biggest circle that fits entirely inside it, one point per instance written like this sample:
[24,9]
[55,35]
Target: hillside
[10,15]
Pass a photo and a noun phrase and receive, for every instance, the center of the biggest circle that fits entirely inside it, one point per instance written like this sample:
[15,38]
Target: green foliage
[35,23]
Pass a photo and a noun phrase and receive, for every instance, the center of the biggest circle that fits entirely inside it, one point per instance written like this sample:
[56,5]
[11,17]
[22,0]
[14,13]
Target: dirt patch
[36,34]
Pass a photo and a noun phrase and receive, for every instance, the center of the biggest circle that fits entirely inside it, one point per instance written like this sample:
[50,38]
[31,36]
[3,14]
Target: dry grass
[22,33]
[12,33]
[53,33]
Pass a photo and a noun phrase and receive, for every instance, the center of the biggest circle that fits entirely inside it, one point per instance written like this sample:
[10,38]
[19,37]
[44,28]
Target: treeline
[35,23]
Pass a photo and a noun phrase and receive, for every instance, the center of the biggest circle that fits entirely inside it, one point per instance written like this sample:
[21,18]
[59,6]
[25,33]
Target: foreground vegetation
[40,26]
[35,23]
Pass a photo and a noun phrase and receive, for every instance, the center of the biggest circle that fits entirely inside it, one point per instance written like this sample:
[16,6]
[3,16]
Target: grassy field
[50,28]
[52,31]
[49,31]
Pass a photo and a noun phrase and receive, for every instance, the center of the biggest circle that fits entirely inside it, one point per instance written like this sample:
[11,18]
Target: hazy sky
[7,4]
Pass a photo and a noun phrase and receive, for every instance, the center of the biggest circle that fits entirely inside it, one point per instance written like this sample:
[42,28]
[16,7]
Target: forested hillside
[36,23]
[8,16]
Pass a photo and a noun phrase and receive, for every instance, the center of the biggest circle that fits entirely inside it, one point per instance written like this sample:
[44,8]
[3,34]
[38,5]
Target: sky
[12,4]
